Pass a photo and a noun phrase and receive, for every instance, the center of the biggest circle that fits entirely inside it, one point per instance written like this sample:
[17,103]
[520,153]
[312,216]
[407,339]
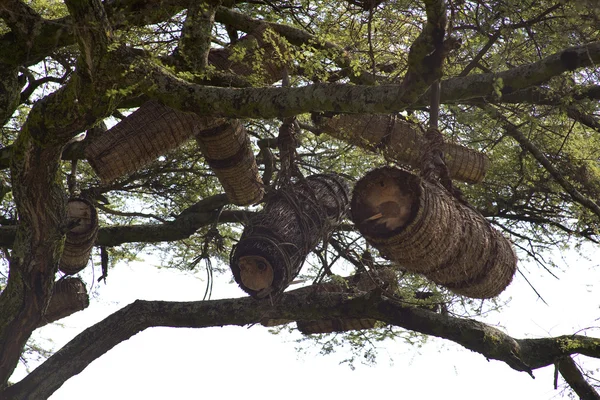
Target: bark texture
[520,354]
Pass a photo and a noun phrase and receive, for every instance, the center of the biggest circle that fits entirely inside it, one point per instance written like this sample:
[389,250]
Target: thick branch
[182,228]
[540,95]
[522,355]
[426,54]
[574,378]
[194,43]
[482,85]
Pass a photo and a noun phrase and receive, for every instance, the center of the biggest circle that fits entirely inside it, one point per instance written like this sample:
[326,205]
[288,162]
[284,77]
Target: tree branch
[181,228]
[522,77]
[574,378]
[519,354]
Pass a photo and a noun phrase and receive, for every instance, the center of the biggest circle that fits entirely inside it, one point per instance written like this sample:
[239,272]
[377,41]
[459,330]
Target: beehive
[82,236]
[425,230]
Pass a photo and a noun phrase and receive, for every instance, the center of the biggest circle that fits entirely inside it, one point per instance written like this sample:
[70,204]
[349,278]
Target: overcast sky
[171,363]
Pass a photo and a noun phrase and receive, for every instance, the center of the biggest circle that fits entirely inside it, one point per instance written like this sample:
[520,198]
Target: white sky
[175,363]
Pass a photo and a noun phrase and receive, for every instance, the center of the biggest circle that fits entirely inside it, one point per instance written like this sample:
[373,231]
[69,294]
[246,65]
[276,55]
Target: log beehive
[425,230]
[403,142]
[138,140]
[68,296]
[227,150]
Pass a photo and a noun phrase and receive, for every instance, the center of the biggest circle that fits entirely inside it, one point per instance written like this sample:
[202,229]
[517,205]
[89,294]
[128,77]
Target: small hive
[68,296]
[81,238]
[403,142]
[384,278]
[277,240]
[226,148]
[138,140]
[425,230]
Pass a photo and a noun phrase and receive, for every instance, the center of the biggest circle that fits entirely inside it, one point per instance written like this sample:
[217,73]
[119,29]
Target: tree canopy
[518,90]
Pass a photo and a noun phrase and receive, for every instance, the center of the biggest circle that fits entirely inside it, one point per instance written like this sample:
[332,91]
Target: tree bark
[520,354]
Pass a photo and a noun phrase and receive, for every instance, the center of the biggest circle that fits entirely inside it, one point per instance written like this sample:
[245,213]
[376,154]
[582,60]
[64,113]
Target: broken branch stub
[228,152]
[403,142]
[80,239]
[425,230]
[276,241]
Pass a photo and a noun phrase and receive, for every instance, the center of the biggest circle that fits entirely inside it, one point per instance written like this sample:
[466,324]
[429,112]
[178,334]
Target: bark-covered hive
[403,142]
[227,150]
[68,296]
[80,239]
[277,240]
[425,230]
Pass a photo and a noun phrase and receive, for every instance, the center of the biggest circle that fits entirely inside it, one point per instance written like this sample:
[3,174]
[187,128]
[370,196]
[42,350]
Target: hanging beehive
[425,230]
[68,296]
[227,150]
[402,142]
[277,240]
[383,278]
[259,55]
[138,140]
[81,238]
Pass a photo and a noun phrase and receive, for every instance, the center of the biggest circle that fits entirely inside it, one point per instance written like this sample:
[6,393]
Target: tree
[519,83]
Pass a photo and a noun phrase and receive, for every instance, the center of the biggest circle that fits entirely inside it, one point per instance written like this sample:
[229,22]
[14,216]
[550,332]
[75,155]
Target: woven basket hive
[277,240]
[427,231]
[68,296]
[80,239]
[403,142]
[138,140]
[227,150]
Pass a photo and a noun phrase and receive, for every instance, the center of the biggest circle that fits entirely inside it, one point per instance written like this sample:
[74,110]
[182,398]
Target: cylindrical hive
[81,238]
[227,150]
[69,296]
[427,231]
[151,131]
[276,240]
[403,142]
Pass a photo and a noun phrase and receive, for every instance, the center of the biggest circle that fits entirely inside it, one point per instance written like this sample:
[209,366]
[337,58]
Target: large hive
[425,230]
[155,129]
[68,296]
